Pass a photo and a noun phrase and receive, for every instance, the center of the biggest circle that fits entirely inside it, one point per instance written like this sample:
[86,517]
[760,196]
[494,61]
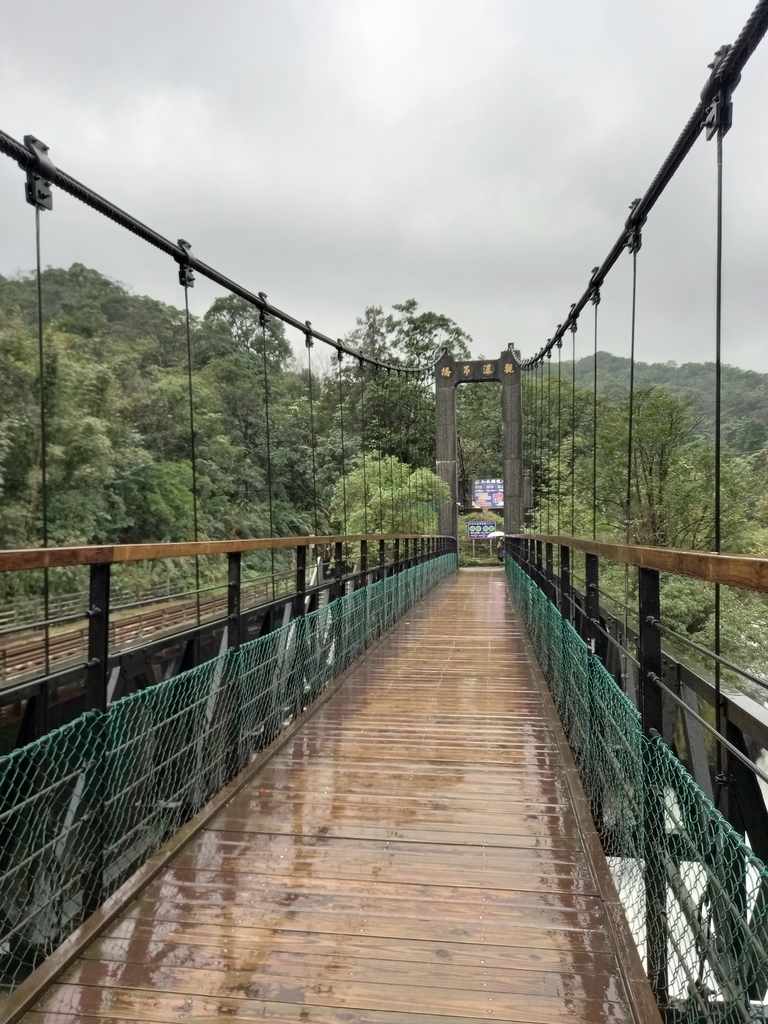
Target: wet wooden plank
[239,948]
[98,1003]
[290,1001]
[412,856]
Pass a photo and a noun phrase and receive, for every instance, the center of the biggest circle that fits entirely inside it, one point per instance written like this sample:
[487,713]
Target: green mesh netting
[84,807]
[695,896]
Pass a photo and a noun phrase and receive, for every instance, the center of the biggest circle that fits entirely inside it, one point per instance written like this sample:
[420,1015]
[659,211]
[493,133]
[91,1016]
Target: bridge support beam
[512,447]
[446,447]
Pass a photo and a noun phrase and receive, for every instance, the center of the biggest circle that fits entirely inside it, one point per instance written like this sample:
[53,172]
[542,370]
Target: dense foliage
[269,450]
[347,449]
[671,494]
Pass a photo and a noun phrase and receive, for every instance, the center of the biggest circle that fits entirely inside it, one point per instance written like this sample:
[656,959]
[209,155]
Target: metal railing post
[364,562]
[550,572]
[565,583]
[382,559]
[338,568]
[98,638]
[592,571]
[650,650]
[538,548]
[233,599]
[397,554]
[300,600]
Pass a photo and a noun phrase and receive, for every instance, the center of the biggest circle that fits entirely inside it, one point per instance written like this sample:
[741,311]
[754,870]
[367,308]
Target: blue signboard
[488,494]
[479,529]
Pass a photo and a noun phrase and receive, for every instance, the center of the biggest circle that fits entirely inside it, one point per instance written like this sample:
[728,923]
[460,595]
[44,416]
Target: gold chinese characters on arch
[471,371]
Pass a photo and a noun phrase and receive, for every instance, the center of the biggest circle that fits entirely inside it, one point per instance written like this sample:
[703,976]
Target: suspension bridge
[369,785]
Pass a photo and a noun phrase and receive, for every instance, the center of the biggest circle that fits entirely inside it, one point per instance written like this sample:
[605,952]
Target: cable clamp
[634,229]
[39,175]
[308,334]
[594,292]
[719,115]
[725,780]
[574,318]
[186,274]
[263,310]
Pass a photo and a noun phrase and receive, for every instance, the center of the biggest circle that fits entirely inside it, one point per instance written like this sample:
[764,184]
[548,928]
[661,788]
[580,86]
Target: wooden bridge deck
[418,853]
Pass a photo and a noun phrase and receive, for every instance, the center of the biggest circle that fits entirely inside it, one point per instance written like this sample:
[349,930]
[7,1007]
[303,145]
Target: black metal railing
[88,659]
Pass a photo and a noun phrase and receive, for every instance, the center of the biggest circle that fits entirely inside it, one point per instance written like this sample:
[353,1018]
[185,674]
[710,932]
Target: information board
[488,493]
[479,529]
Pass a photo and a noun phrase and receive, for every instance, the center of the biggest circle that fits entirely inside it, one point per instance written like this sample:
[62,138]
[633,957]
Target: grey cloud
[477,156]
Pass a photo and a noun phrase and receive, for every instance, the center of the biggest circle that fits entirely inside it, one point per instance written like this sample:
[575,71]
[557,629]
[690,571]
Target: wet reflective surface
[413,856]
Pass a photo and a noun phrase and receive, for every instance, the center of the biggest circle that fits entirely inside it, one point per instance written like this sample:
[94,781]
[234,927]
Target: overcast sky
[477,156]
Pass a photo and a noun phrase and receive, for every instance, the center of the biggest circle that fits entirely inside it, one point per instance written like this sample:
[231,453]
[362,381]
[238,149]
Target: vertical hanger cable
[43,441]
[263,325]
[187,280]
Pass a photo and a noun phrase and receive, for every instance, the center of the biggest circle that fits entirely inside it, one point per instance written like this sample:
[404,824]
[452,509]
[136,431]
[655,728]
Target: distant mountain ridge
[744,393]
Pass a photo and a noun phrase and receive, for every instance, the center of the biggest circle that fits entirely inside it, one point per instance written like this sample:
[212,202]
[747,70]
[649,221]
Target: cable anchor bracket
[39,175]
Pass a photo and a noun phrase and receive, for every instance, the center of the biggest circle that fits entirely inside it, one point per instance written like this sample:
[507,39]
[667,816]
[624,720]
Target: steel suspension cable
[718,420]
[263,325]
[559,429]
[393,524]
[187,280]
[630,425]
[43,440]
[313,440]
[343,450]
[381,455]
[574,328]
[362,446]
[596,303]
[549,442]
[539,396]
[525,387]
[29,159]
[402,455]
[624,646]
[533,403]
[536,444]
[404,503]
[541,447]
[726,73]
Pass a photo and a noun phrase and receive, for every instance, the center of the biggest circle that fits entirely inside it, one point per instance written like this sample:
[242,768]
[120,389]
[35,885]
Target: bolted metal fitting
[186,274]
[38,185]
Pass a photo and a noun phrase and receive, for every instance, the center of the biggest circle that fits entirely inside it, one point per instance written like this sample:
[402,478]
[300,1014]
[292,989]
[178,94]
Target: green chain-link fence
[83,808]
[695,896]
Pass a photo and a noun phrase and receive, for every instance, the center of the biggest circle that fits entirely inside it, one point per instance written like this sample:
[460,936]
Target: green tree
[388,496]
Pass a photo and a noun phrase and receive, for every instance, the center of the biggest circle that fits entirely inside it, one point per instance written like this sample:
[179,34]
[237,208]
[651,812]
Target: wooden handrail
[99,554]
[741,571]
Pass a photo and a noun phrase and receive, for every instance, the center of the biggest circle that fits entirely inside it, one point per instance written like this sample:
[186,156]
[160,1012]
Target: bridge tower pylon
[449,373]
